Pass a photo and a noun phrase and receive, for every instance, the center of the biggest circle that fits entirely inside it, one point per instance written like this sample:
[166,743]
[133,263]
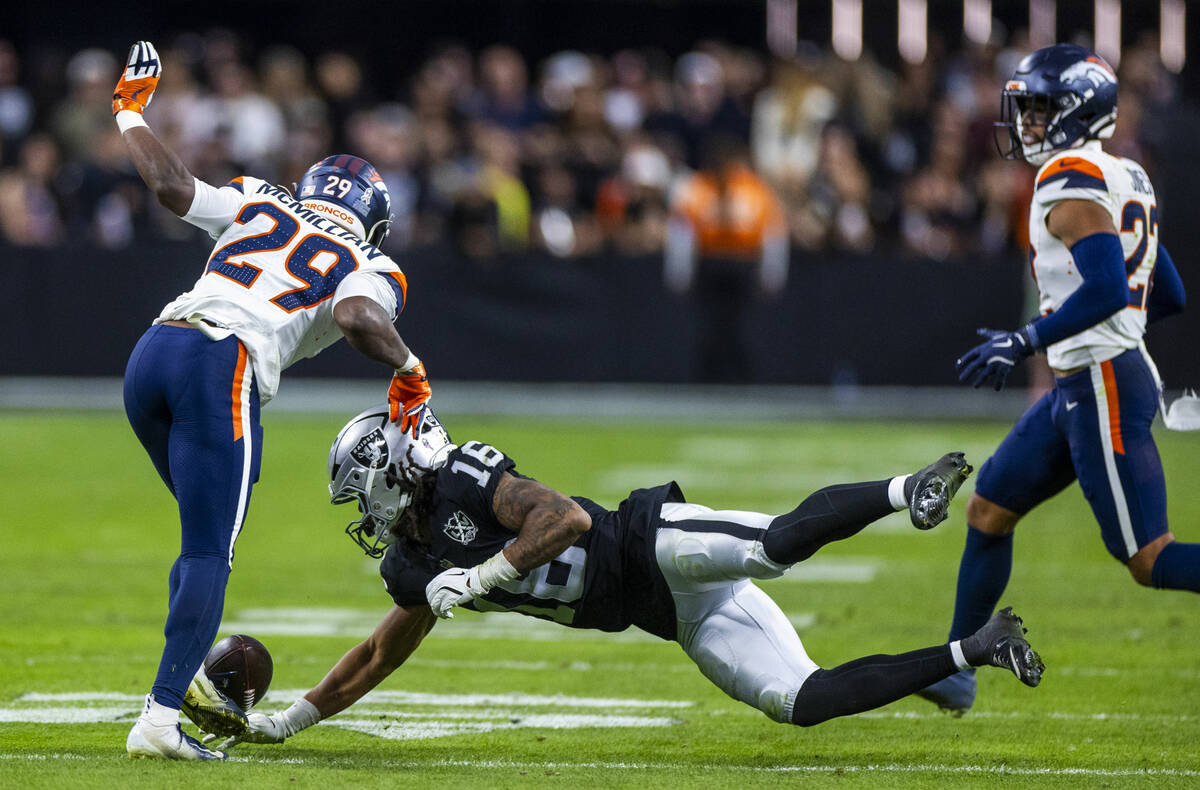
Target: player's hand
[408,398]
[136,87]
[452,588]
[994,358]
[262,729]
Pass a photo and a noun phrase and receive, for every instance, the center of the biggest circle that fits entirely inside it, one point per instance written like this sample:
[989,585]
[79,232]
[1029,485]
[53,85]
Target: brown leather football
[241,668]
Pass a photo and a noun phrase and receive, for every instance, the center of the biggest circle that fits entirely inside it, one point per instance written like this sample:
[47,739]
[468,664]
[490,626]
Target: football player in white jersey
[1103,276]
[286,279]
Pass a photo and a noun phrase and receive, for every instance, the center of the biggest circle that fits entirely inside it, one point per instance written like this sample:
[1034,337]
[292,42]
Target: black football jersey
[608,579]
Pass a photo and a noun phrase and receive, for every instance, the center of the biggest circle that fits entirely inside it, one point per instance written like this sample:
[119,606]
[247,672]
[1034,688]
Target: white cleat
[166,743]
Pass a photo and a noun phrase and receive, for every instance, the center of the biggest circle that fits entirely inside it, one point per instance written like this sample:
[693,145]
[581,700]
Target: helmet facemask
[386,472]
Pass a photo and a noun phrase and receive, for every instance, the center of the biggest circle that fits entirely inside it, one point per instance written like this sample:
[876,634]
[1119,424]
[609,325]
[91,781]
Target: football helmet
[1070,89]
[349,191]
[377,465]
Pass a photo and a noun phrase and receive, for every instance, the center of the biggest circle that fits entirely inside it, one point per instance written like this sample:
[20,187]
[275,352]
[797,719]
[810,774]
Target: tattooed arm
[547,521]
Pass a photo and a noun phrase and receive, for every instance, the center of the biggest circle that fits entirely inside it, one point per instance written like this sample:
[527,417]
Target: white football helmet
[374,463]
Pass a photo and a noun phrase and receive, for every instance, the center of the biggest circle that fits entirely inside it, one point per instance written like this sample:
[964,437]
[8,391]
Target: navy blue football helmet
[1070,89]
[352,194]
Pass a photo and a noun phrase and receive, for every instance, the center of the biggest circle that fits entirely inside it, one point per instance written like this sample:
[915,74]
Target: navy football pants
[194,406]
[1093,426]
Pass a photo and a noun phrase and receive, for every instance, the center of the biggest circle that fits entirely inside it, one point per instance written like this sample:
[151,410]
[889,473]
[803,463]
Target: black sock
[830,514]
[868,683]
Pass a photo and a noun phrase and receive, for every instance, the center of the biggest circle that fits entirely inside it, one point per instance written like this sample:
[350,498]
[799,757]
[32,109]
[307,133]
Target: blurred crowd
[575,155]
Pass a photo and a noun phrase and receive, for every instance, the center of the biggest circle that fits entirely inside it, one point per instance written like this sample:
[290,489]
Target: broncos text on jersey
[1123,189]
[276,273]
[608,580]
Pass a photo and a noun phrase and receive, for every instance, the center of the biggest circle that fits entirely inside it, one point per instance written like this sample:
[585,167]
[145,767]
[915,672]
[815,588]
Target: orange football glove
[408,398]
[136,87]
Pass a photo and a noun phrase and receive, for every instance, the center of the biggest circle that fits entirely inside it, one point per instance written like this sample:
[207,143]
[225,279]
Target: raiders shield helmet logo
[371,450]
[460,528]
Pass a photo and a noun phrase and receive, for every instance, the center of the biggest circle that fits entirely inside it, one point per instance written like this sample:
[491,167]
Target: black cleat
[212,711]
[930,490]
[1001,643]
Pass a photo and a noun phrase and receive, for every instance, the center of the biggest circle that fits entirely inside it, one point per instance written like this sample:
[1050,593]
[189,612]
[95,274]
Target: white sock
[956,653]
[896,492]
[157,715]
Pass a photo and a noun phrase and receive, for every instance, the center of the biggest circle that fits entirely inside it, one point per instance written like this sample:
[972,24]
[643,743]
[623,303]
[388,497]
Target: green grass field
[88,534]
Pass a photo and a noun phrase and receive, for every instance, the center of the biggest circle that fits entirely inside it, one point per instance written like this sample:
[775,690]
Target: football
[241,668]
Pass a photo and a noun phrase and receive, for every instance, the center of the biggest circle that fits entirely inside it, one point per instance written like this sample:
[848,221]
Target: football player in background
[458,526]
[287,278]
[1103,276]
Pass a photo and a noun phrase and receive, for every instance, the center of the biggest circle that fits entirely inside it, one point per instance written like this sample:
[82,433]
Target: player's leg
[1121,473]
[215,447]
[1030,465]
[744,644]
[722,545]
[841,511]
[145,399]
[870,682]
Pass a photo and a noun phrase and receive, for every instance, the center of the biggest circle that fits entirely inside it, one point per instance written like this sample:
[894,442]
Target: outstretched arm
[369,329]
[169,179]
[366,665]
[359,671]
[546,521]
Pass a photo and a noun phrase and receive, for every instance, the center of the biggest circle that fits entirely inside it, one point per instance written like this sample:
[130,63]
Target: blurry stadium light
[1172,46]
[847,28]
[1108,31]
[911,34]
[782,22]
[977,20]
[1043,25]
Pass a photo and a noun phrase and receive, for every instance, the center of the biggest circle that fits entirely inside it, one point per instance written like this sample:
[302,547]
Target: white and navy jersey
[276,273]
[1122,187]
[608,580]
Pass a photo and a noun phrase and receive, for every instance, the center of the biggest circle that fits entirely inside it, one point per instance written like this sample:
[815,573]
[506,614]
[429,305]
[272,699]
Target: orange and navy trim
[239,374]
[399,284]
[1114,407]
[237,184]
[1074,173]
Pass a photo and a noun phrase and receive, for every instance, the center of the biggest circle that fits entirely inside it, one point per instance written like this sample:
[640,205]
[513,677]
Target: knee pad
[719,661]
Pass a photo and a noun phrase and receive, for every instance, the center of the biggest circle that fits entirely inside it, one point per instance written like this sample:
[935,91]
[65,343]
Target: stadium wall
[842,321]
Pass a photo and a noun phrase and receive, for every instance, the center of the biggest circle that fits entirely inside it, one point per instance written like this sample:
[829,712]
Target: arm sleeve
[387,289]
[1104,291]
[215,209]
[1167,295]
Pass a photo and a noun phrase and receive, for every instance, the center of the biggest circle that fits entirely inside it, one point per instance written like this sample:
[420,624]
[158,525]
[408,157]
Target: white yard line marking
[867,768]
[519,700]
[394,715]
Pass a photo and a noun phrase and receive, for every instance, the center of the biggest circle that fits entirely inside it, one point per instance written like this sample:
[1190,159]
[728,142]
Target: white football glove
[452,588]
[458,586]
[275,728]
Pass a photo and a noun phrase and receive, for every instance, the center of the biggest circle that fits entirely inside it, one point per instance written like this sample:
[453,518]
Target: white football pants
[735,633]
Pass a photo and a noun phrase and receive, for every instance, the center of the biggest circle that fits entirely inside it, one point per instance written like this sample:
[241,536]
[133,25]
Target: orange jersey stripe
[239,373]
[1114,407]
[400,278]
[1072,163]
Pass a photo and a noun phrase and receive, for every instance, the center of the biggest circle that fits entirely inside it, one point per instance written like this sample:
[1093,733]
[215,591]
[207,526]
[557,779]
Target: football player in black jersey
[459,526]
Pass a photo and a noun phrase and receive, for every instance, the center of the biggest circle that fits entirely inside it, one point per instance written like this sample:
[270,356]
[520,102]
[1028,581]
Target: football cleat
[954,695]
[211,710]
[1001,643]
[930,490]
[166,743]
